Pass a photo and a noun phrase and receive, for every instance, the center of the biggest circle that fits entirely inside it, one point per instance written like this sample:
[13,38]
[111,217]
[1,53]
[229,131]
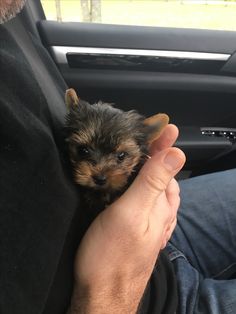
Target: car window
[204,14]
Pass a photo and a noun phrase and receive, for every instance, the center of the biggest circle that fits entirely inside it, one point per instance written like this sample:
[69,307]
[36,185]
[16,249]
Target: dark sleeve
[37,197]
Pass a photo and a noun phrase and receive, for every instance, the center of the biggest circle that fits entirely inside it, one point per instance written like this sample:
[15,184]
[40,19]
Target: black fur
[110,125]
[105,128]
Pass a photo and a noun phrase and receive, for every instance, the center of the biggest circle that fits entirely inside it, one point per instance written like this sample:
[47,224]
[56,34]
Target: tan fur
[83,174]
[117,174]
[81,138]
[71,98]
[128,145]
[159,122]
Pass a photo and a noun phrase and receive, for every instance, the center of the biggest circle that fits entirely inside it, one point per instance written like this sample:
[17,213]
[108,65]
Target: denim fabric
[203,246]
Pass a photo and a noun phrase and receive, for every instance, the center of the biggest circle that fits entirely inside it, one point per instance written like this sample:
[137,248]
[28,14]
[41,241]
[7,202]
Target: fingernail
[172,161]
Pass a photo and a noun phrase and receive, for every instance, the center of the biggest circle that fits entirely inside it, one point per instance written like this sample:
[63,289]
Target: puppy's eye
[82,151]
[121,156]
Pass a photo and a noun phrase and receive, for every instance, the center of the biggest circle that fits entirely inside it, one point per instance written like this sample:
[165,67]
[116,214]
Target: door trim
[60,53]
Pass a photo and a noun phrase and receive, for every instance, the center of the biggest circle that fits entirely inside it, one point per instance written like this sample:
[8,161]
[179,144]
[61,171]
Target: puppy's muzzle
[100,179]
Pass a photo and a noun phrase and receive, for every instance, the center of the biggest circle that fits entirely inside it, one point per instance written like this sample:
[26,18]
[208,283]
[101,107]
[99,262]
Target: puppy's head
[105,143]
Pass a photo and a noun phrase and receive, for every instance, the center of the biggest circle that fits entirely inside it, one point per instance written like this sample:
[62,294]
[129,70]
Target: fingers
[172,194]
[167,139]
[168,233]
[152,180]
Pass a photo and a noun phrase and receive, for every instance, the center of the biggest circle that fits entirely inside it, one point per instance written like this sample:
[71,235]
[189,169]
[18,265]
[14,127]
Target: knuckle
[172,228]
[155,183]
[176,188]
[177,204]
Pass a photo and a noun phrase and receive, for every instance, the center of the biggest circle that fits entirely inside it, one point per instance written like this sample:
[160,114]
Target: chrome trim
[59,53]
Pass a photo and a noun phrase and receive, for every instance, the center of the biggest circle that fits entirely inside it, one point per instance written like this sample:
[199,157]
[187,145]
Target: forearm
[98,307]
[117,301]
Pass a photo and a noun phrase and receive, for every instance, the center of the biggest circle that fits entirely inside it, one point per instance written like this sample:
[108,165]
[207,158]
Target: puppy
[107,147]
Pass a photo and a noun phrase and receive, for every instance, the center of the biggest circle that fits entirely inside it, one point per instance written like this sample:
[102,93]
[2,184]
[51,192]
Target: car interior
[187,73]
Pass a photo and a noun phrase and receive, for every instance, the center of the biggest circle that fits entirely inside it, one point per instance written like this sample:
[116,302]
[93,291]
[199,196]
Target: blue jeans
[203,246]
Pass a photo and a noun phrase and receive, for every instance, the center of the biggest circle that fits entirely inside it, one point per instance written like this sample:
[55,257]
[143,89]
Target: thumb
[152,180]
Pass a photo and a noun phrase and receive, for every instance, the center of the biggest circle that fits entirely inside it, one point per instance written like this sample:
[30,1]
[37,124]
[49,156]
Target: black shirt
[39,208]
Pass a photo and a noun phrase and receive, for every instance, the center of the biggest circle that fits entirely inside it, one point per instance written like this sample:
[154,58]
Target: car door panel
[189,74]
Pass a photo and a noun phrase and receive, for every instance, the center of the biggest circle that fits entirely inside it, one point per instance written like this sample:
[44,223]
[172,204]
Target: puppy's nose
[100,179]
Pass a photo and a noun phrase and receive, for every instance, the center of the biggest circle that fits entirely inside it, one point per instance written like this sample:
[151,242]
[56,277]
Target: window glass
[206,14]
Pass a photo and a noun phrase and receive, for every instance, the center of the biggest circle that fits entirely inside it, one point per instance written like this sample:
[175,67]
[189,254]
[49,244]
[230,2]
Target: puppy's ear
[71,98]
[155,125]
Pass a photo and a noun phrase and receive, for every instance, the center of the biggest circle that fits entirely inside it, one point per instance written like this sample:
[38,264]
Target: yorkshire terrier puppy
[107,147]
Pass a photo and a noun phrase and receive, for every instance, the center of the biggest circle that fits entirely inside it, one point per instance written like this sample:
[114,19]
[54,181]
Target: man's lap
[203,246]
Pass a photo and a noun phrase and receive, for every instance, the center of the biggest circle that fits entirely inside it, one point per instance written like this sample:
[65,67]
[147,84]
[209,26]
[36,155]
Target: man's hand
[117,254]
